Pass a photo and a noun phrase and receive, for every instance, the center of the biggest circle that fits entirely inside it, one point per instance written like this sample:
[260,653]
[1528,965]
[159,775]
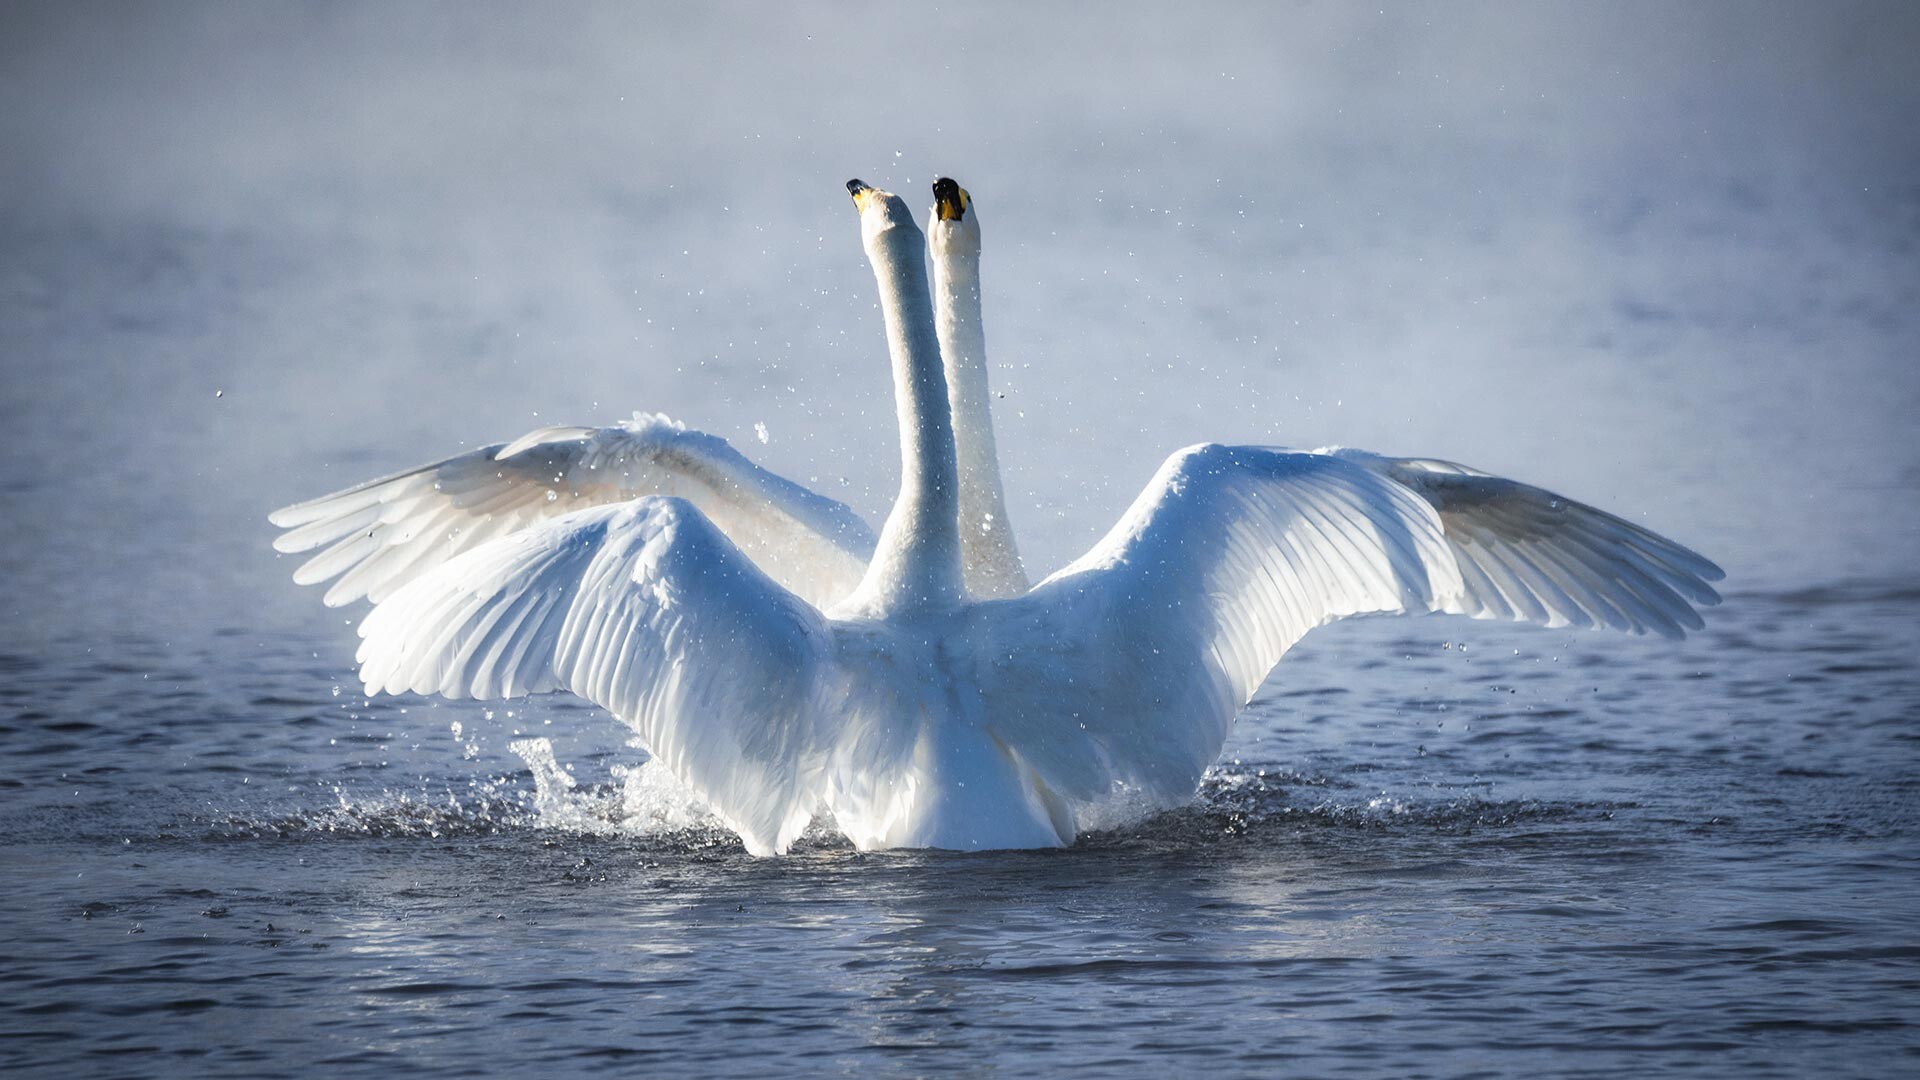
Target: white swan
[377,536]
[991,560]
[921,717]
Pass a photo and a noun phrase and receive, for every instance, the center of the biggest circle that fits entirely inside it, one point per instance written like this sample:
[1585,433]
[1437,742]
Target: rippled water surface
[1543,851]
[252,253]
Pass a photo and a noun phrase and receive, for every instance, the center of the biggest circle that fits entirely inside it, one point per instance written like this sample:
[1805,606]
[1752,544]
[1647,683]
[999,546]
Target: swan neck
[917,561]
[991,559]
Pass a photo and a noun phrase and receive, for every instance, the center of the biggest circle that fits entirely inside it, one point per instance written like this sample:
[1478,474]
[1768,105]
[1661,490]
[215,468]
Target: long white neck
[991,560]
[917,562]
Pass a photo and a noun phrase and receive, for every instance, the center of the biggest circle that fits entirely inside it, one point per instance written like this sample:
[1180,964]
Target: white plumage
[647,610]
[379,535]
[921,717]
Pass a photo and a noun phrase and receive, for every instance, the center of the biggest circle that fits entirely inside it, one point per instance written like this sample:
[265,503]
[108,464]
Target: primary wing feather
[647,610]
[377,536]
[1534,556]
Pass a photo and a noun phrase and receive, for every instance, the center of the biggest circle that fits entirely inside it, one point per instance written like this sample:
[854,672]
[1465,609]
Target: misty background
[1661,258]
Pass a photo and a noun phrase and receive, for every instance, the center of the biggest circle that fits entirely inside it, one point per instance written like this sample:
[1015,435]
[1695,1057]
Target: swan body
[376,536]
[920,716]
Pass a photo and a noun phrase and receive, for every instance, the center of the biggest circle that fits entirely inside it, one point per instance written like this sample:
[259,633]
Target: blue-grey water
[1547,853]
[1666,261]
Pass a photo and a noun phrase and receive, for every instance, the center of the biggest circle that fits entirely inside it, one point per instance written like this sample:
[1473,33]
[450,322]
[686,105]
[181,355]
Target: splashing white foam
[555,797]
[650,800]
[654,800]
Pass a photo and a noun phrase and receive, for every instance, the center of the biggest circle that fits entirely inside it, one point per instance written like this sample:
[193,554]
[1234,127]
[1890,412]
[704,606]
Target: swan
[376,536]
[919,716]
[991,558]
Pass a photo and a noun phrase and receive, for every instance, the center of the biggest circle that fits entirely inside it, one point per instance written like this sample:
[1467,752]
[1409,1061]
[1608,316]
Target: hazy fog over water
[1660,258]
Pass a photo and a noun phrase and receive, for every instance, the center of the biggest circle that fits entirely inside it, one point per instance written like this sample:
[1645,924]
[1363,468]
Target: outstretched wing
[1128,667]
[647,610]
[1528,555]
[379,535]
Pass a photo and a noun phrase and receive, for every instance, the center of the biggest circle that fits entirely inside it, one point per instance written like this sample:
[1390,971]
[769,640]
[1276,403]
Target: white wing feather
[377,536]
[1529,555]
[1128,667]
[647,610]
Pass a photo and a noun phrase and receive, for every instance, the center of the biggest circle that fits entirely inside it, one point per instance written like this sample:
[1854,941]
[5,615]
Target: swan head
[953,228]
[950,200]
[884,216]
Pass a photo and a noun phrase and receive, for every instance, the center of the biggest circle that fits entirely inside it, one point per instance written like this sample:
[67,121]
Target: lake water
[249,255]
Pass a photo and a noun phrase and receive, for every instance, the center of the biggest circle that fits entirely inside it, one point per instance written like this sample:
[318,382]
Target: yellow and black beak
[950,200]
[861,192]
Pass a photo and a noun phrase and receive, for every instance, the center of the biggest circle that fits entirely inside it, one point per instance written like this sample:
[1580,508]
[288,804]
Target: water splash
[649,800]
[653,800]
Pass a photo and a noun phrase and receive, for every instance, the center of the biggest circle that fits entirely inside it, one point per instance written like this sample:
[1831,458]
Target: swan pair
[780,660]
